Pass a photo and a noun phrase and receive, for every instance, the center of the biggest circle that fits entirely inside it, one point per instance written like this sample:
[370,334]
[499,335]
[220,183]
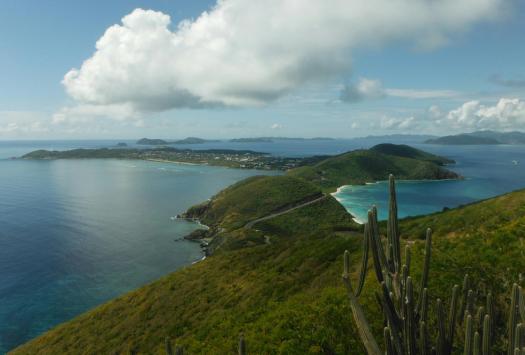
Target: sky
[238,68]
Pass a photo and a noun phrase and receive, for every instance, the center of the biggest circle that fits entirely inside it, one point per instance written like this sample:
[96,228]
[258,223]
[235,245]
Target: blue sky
[343,69]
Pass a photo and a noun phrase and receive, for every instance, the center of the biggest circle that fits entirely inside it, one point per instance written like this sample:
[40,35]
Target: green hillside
[285,294]
[360,166]
[252,198]
[406,151]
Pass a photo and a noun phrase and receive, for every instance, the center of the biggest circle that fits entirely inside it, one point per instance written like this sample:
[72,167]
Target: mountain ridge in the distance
[487,137]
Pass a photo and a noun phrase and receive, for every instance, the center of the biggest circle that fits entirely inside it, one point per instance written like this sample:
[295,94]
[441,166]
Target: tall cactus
[242,345]
[406,331]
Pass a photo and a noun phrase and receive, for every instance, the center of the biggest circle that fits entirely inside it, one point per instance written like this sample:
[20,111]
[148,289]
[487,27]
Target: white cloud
[393,123]
[85,112]
[506,114]
[22,123]
[365,89]
[422,94]
[276,126]
[243,53]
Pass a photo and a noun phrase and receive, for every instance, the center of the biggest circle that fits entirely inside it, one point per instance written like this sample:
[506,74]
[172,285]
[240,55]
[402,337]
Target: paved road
[273,215]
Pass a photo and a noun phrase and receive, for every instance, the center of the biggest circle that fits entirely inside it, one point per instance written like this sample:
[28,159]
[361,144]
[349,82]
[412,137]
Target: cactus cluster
[406,317]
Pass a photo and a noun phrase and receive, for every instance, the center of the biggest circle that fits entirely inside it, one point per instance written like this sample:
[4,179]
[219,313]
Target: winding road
[277,214]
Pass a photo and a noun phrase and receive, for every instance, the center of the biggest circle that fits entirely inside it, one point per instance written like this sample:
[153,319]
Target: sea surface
[488,171]
[76,233]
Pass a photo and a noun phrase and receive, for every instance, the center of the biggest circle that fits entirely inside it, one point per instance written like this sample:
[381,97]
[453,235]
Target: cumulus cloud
[276,126]
[244,53]
[506,114]
[365,89]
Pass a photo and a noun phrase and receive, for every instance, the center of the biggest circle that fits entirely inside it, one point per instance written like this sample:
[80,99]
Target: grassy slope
[253,198]
[360,166]
[403,150]
[286,296]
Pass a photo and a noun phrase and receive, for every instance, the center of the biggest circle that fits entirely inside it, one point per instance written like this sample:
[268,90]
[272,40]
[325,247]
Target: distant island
[397,138]
[122,144]
[194,140]
[252,140]
[273,139]
[148,141]
[240,159]
[480,138]
[188,140]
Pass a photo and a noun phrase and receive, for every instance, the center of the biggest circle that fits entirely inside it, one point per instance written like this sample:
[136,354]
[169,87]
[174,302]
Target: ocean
[76,233]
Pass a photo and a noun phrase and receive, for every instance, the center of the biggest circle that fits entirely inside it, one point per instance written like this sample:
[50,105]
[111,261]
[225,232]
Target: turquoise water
[488,171]
[76,233]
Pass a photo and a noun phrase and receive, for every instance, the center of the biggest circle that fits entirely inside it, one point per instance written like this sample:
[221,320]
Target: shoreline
[174,162]
[341,188]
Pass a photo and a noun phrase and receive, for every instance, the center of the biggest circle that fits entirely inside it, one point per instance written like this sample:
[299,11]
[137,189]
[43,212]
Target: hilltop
[148,141]
[360,166]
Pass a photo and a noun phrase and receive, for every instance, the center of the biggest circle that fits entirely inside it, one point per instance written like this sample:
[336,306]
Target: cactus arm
[441,340]
[393,228]
[468,336]
[410,316]
[477,349]
[364,264]
[374,245]
[486,335]
[167,344]
[512,319]
[464,298]
[242,345]
[452,315]
[388,342]
[362,325]
[426,268]
[423,338]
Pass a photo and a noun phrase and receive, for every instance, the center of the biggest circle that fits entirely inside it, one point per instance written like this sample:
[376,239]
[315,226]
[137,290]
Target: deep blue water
[488,171]
[76,233]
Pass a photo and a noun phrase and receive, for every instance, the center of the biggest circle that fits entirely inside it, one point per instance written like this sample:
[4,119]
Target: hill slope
[285,294]
[360,166]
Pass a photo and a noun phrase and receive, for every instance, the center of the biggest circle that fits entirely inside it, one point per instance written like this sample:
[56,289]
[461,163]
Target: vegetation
[253,198]
[405,151]
[360,166]
[406,317]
